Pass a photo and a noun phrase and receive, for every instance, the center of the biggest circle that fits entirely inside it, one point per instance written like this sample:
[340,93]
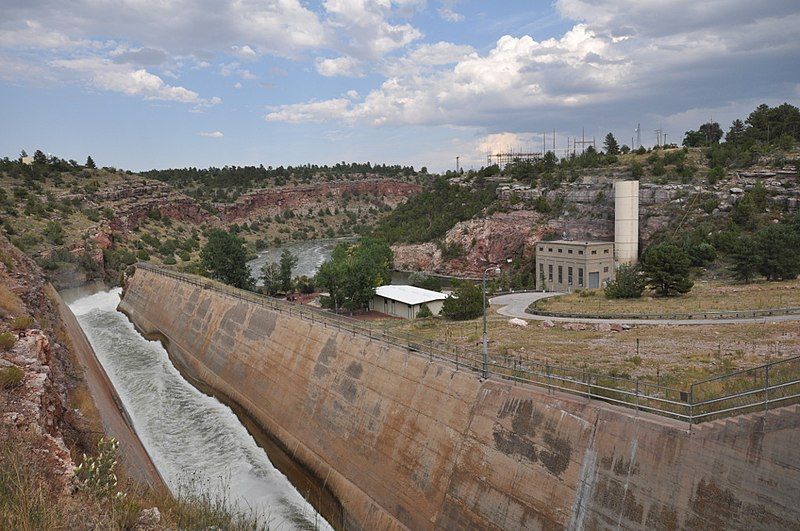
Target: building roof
[410,295]
[577,242]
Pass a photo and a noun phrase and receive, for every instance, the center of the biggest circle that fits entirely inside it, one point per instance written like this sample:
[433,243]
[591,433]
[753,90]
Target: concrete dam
[402,441]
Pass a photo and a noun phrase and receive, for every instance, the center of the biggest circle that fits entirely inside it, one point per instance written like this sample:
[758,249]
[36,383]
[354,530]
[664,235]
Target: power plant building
[565,265]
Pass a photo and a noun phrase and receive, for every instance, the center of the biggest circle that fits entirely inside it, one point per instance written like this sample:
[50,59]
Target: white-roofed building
[406,301]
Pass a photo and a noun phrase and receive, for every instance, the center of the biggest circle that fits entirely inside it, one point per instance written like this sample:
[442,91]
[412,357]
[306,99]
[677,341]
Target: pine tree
[736,133]
[611,145]
[90,163]
[224,257]
[666,267]
[287,264]
[745,260]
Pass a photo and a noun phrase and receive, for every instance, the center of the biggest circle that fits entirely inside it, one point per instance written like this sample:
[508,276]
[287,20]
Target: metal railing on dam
[759,388]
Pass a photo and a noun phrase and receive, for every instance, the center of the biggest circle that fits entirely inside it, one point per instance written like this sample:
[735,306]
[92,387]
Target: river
[310,255]
[195,441]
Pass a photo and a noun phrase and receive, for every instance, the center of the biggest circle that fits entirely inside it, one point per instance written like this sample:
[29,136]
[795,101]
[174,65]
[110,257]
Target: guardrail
[692,316]
[773,384]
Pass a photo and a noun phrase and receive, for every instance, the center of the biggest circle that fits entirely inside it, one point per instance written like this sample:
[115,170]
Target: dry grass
[10,302]
[667,354]
[705,296]
[31,500]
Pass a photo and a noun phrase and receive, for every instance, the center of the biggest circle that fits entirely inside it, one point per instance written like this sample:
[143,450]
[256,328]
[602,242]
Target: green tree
[90,163]
[287,264]
[744,212]
[778,248]
[224,258]
[39,157]
[666,267]
[745,259]
[271,278]
[629,283]
[354,271]
[712,132]
[611,145]
[693,139]
[736,133]
[424,312]
[466,302]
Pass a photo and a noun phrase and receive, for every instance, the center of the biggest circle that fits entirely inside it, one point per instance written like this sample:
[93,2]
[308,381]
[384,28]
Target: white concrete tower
[626,222]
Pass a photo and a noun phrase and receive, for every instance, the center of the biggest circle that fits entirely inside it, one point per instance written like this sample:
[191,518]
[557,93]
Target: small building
[27,160]
[406,301]
[566,265]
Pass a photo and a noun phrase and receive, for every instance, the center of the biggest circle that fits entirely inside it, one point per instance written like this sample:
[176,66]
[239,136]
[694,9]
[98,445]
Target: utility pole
[457,159]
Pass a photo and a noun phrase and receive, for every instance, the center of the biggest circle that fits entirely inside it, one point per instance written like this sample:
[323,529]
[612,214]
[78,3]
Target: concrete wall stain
[409,444]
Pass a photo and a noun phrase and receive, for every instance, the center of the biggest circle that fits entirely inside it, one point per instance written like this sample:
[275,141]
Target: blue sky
[145,84]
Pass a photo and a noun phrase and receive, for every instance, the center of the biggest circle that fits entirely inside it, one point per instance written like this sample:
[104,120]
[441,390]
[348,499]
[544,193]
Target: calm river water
[194,439]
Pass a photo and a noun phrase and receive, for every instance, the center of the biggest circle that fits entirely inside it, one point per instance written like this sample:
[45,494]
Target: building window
[569,276]
[605,269]
[594,251]
[541,248]
[580,252]
[580,276]
[560,250]
[549,249]
[550,272]
[605,251]
[560,274]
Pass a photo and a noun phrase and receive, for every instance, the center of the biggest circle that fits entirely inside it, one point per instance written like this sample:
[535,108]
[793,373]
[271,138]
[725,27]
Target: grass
[22,322]
[667,355]
[704,297]
[11,377]
[31,500]
[7,340]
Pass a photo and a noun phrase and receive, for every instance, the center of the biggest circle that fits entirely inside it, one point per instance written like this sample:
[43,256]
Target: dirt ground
[670,355]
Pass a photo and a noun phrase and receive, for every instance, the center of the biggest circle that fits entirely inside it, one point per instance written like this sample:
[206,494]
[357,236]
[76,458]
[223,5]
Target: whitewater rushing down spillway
[194,440]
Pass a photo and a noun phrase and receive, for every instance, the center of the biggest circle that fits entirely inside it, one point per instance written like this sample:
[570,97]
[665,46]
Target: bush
[421,280]
[628,284]
[424,312]
[7,341]
[22,322]
[466,302]
[11,377]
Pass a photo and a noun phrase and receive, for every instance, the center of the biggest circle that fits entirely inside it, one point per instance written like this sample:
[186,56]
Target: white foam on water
[193,439]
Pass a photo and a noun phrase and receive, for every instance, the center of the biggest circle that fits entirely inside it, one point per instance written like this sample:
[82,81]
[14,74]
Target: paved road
[514,304]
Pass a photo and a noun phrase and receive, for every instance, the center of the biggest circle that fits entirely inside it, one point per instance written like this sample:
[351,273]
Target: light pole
[496,269]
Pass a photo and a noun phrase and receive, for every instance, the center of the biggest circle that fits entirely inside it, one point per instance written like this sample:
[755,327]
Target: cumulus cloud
[619,56]
[212,134]
[339,66]
[236,69]
[245,52]
[107,75]
[361,28]
[449,15]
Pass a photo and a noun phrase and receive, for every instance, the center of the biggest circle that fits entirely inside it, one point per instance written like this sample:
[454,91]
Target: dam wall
[406,442]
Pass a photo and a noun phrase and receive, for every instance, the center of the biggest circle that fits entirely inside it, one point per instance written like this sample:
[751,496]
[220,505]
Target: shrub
[96,473]
[466,302]
[7,340]
[23,322]
[11,377]
[424,312]
[628,284]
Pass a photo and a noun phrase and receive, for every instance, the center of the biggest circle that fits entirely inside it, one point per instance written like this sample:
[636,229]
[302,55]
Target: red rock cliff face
[487,241]
[271,201]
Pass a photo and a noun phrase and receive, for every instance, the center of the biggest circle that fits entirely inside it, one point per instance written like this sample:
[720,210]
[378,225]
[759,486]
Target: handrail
[636,394]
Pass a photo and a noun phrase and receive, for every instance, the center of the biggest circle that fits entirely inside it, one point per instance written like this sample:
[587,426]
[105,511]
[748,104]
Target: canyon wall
[403,442]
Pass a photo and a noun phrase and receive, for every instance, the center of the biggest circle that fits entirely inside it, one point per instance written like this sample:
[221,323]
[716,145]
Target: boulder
[548,324]
[518,322]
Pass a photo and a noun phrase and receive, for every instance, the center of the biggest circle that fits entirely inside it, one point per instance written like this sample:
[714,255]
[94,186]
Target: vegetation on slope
[430,214]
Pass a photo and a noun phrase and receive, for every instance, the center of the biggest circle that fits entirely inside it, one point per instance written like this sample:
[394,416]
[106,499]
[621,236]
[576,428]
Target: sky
[143,84]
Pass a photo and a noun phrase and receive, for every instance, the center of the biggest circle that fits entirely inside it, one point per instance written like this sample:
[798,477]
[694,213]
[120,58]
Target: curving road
[514,304]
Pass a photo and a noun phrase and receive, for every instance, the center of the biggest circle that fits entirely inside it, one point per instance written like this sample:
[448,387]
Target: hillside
[81,223]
